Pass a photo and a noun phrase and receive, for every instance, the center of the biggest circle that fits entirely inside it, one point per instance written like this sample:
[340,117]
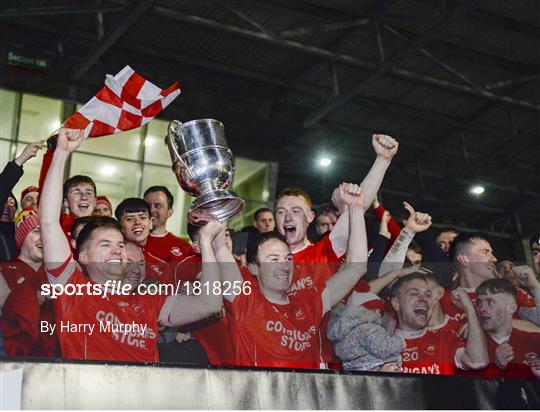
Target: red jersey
[526,347]
[157,269]
[168,247]
[523,299]
[277,335]
[116,327]
[436,352]
[22,313]
[214,334]
[314,265]
[215,338]
[17,271]
[449,324]
[189,270]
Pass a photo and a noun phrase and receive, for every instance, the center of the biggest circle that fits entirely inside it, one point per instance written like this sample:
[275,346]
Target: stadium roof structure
[457,82]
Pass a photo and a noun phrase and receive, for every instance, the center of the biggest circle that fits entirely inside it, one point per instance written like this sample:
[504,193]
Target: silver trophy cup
[204,167]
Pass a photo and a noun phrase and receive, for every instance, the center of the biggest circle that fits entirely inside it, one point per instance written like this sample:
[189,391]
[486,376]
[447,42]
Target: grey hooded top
[360,341]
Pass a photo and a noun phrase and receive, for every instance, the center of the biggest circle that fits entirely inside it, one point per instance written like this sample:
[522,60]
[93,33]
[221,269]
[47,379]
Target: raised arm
[355,265]
[187,309]
[417,222]
[376,285]
[228,266]
[13,171]
[385,147]
[476,354]
[55,245]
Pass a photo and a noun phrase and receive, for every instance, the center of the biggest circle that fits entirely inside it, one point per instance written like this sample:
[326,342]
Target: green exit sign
[33,63]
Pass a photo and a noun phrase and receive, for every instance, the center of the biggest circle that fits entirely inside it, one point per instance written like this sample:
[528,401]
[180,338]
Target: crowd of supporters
[300,288]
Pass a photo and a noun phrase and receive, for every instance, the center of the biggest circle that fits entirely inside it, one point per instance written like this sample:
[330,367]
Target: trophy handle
[175,127]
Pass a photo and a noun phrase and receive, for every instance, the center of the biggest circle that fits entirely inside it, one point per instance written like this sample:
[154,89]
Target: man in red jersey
[293,215]
[162,243]
[134,217]
[513,353]
[273,328]
[315,263]
[79,199]
[474,260]
[108,325]
[439,351]
[21,304]
[29,264]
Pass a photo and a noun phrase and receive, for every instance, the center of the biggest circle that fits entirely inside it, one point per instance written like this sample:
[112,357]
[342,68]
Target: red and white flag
[126,102]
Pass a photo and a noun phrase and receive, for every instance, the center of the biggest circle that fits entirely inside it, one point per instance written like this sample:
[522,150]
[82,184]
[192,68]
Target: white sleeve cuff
[63,277]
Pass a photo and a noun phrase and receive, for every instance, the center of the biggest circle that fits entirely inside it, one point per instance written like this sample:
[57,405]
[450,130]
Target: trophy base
[219,205]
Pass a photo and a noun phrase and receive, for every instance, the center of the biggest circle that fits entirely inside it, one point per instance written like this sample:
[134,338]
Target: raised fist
[352,195]
[69,140]
[526,278]
[385,146]
[337,201]
[461,299]
[417,221]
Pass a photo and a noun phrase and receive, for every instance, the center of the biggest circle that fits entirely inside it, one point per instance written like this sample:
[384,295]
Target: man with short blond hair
[317,262]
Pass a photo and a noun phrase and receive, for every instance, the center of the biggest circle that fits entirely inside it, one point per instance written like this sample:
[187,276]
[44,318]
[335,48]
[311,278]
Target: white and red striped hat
[26,221]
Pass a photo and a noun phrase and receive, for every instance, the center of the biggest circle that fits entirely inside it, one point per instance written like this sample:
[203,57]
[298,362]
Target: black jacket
[8,179]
